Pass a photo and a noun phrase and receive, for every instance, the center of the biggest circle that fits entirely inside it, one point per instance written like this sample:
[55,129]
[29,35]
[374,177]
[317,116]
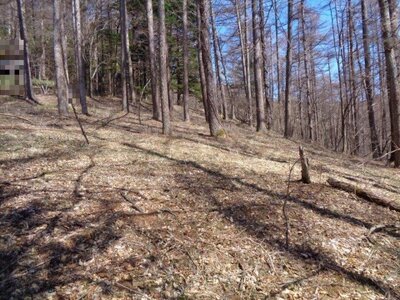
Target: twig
[80,124]
[131,202]
[125,287]
[380,157]
[380,227]
[287,225]
[140,101]
[16,117]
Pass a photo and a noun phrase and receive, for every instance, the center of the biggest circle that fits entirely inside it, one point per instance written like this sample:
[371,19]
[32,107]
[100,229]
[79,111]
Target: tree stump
[305,174]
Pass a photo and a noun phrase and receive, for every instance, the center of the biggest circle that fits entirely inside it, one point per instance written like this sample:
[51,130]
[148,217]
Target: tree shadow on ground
[244,218]
[32,261]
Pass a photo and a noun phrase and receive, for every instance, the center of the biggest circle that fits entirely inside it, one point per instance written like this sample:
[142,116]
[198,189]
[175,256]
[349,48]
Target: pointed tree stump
[305,173]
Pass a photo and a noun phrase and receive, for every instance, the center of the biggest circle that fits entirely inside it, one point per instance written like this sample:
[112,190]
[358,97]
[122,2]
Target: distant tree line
[327,74]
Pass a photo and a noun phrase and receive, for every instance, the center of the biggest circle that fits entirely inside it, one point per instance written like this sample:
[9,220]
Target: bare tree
[391,77]
[132,92]
[203,84]
[124,56]
[29,94]
[186,116]
[288,67]
[258,67]
[218,59]
[376,151]
[310,125]
[76,16]
[163,69]
[61,80]
[155,91]
[215,125]
[42,68]
[244,56]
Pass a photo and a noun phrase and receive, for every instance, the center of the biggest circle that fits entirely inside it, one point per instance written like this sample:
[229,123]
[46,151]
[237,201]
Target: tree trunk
[163,70]
[132,92]
[258,67]
[61,81]
[218,59]
[265,56]
[352,80]
[42,67]
[310,126]
[124,55]
[278,71]
[376,151]
[155,91]
[214,122]
[391,77]
[305,172]
[247,52]
[76,16]
[203,84]
[29,94]
[243,52]
[288,68]
[186,116]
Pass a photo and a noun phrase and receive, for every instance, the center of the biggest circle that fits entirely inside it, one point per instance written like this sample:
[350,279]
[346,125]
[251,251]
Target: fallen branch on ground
[133,203]
[284,212]
[80,124]
[17,117]
[381,227]
[363,193]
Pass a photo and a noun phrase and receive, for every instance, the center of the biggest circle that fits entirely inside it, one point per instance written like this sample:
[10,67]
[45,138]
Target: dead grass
[142,216]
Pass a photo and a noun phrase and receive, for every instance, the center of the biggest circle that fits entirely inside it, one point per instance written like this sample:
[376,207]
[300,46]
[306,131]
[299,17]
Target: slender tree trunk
[225,81]
[278,71]
[110,73]
[203,83]
[76,14]
[288,68]
[29,94]
[352,80]
[243,52]
[258,67]
[310,125]
[186,116]
[268,113]
[132,92]
[338,55]
[217,64]
[124,55]
[163,69]
[155,90]
[376,151]
[391,77]
[247,48]
[61,81]
[42,68]
[215,126]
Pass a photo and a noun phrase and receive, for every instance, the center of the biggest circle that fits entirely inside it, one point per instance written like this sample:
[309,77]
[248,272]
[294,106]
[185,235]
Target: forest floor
[137,215]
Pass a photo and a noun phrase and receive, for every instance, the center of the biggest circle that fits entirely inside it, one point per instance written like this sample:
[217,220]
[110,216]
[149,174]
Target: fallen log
[364,194]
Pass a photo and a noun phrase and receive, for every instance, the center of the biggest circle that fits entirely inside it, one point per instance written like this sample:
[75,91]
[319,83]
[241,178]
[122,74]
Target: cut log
[364,194]
[305,174]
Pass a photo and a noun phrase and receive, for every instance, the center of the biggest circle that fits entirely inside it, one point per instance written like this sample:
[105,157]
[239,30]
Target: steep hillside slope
[136,215]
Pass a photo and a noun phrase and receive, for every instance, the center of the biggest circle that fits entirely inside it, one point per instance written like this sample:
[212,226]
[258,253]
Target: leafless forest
[179,149]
